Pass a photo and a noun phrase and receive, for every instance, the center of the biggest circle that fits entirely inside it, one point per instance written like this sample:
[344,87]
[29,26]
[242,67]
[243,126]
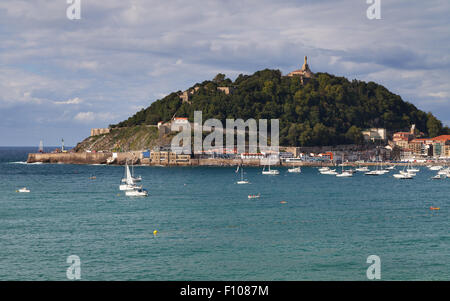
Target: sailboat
[242,181]
[270,171]
[362,169]
[378,171]
[404,174]
[411,169]
[129,182]
[135,179]
[344,174]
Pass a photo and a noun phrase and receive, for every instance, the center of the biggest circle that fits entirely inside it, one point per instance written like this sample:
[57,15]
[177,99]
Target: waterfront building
[252,156]
[169,158]
[402,139]
[375,134]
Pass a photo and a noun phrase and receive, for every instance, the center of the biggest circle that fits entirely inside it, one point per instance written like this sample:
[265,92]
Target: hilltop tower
[304,73]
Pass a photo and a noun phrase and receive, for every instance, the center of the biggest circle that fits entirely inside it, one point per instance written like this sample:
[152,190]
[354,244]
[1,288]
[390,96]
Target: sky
[59,77]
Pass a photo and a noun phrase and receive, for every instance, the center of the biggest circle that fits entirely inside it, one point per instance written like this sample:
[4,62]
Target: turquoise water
[210,230]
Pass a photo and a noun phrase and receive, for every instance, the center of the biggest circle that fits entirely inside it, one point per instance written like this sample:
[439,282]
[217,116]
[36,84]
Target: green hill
[326,110]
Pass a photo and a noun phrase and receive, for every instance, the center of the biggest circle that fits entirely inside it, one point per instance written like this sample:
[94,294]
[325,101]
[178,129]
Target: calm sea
[210,230]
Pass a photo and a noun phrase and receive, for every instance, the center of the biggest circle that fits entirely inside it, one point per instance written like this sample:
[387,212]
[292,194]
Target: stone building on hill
[304,73]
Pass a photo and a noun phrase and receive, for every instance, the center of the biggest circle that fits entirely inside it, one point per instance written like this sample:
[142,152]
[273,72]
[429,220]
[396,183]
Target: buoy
[155,232]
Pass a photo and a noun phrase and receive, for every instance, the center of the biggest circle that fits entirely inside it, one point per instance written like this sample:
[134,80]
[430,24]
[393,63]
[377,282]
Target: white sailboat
[404,174]
[242,181]
[135,179]
[411,169]
[270,171]
[375,172]
[344,174]
[129,182]
[363,169]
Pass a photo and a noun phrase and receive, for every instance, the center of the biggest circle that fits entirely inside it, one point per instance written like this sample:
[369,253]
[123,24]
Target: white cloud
[439,94]
[72,101]
[89,117]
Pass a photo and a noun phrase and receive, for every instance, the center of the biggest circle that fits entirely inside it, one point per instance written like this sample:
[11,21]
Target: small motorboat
[242,182]
[329,172]
[404,176]
[438,177]
[23,190]
[436,167]
[254,196]
[326,168]
[270,172]
[373,173]
[363,169]
[136,192]
[295,170]
[407,173]
[444,171]
[344,174]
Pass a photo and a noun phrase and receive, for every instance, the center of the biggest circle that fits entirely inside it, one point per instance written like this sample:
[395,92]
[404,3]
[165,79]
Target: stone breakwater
[134,158]
[69,158]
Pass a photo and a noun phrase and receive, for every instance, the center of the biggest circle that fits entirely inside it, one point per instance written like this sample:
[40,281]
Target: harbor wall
[135,158]
[69,158]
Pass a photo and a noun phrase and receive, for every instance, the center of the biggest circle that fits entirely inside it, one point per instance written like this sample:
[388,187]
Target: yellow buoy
[155,232]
